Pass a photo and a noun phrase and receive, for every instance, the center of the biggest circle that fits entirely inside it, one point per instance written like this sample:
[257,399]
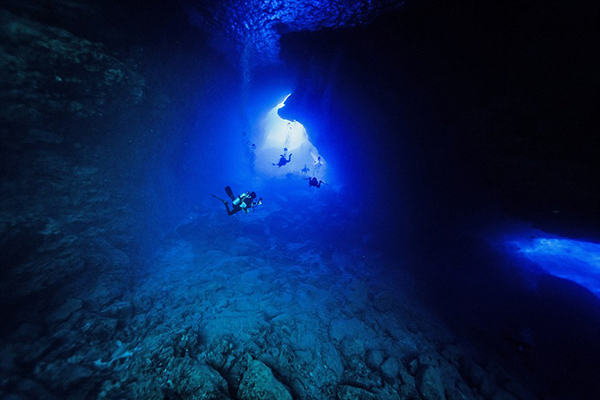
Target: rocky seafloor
[249,317]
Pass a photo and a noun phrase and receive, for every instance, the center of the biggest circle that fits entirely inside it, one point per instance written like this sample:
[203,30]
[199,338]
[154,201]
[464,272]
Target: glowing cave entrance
[284,148]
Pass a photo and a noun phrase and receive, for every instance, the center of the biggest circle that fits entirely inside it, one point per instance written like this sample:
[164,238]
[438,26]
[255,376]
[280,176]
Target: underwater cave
[271,200]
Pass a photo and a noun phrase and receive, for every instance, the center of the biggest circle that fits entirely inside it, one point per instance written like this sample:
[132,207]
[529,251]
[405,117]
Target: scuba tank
[239,202]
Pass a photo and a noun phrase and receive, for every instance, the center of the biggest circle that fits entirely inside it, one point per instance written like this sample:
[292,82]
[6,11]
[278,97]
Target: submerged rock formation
[250,30]
[49,74]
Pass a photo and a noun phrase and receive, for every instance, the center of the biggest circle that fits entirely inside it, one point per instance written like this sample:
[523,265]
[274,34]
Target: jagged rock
[390,369]
[185,343]
[199,381]
[350,347]
[102,328]
[353,327]
[259,383]
[429,384]
[118,309]
[219,352]
[64,312]
[181,378]
[408,388]
[62,375]
[345,392]
[374,358]
[59,74]
[298,388]
[332,359]
[102,295]
[389,392]
[428,359]
[142,303]
[409,392]
[412,365]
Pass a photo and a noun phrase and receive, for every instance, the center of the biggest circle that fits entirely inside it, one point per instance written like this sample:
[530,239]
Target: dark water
[450,252]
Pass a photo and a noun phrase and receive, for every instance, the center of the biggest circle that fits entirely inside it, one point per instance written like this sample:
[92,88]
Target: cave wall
[97,103]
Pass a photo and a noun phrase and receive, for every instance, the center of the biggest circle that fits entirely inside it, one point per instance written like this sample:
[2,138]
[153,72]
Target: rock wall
[87,125]
[250,30]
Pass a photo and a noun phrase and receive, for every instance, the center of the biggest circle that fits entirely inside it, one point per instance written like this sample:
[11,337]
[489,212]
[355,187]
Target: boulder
[390,369]
[259,383]
[374,359]
[345,392]
[199,381]
[352,347]
[429,384]
[332,359]
[353,327]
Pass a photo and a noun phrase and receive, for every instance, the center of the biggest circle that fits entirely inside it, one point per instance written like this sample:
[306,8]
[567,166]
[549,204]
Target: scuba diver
[317,164]
[305,170]
[246,201]
[282,159]
[314,182]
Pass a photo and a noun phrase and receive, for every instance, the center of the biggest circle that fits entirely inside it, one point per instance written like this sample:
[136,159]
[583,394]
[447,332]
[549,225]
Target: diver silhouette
[314,182]
[282,159]
[246,201]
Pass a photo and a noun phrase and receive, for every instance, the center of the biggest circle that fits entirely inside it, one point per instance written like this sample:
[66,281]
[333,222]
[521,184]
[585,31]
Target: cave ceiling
[249,30]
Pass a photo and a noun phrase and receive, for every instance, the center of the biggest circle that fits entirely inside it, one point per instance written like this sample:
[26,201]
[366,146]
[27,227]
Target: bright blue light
[281,133]
[570,259]
[277,137]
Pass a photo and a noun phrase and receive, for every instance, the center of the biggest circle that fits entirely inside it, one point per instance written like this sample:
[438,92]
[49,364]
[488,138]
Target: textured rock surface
[56,90]
[260,384]
[58,75]
[189,330]
[250,30]
[430,384]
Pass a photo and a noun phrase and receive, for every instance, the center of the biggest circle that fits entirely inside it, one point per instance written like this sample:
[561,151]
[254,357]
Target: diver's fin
[217,197]
[229,192]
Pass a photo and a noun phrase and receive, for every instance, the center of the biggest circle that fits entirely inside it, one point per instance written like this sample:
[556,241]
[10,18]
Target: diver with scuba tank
[246,201]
